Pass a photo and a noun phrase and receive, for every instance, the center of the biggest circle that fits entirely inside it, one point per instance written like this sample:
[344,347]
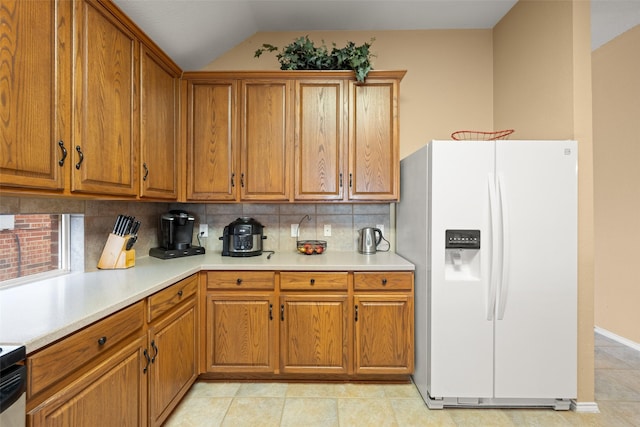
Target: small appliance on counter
[175,232]
[368,240]
[242,238]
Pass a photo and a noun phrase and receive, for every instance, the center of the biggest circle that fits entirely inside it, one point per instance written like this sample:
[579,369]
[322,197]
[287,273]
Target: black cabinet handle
[340,179]
[270,311]
[146,171]
[282,312]
[102,340]
[79,150]
[312,281]
[384,282]
[238,281]
[233,180]
[350,180]
[356,319]
[155,349]
[146,355]
[242,180]
[64,153]
[180,293]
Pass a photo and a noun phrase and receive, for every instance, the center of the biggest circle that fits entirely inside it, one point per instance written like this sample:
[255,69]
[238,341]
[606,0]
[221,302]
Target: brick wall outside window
[31,247]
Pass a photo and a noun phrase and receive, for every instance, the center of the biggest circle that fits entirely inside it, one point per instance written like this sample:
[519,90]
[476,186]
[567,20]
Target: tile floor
[280,404]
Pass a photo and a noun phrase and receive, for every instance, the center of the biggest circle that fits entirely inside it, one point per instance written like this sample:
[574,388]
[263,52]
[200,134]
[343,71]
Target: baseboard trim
[585,407]
[622,340]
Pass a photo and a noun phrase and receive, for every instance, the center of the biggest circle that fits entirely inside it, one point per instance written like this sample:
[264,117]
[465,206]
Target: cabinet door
[373,141]
[240,333]
[314,334]
[173,351]
[265,156]
[384,334]
[35,81]
[211,133]
[104,146]
[113,394]
[158,127]
[320,125]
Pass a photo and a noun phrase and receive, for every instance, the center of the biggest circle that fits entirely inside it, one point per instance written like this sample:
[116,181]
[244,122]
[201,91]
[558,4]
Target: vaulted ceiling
[195,32]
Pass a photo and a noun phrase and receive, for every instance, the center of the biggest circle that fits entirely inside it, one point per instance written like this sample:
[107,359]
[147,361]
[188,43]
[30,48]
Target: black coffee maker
[175,232]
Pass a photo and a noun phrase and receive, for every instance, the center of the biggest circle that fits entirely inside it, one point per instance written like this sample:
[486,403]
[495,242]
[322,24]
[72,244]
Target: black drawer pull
[102,340]
[81,155]
[146,355]
[64,153]
[312,281]
[180,293]
[238,281]
[384,282]
[155,349]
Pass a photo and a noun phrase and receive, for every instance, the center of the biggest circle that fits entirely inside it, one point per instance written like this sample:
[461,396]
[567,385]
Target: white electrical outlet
[294,230]
[327,230]
[381,228]
[204,230]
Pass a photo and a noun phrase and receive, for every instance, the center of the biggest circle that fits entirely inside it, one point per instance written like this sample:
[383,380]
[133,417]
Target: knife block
[114,255]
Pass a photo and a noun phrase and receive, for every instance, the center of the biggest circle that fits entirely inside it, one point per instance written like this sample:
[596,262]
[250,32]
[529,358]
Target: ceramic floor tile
[414,413]
[480,417]
[254,411]
[263,389]
[310,412]
[401,391]
[345,404]
[214,389]
[366,412]
[317,390]
[616,385]
[199,412]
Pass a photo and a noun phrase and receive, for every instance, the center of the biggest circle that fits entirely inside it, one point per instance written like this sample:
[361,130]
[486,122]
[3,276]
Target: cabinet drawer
[168,298]
[314,281]
[367,281]
[240,280]
[64,357]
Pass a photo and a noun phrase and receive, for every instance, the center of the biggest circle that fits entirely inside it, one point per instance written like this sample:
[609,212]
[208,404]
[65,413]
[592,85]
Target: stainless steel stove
[13,380]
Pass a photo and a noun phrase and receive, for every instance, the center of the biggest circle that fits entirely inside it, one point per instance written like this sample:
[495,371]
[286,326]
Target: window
[34,246]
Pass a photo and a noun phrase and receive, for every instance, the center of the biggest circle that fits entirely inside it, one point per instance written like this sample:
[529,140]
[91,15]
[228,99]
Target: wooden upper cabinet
[374,140]
[105,108]
[211,132]
[35,89]
[265,153]
[319,138]
[159,91]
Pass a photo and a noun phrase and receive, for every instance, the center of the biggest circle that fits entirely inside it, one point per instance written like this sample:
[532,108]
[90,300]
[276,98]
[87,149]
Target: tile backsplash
[345,221]
[99,217]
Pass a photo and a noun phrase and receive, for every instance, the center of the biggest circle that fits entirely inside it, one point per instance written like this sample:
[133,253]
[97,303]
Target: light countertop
[40,313]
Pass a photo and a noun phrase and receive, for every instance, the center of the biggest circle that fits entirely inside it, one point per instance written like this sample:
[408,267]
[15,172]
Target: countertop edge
[104,292]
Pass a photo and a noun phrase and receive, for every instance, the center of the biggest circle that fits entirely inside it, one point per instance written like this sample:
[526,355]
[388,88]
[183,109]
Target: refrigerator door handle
[495,247]
[504,281]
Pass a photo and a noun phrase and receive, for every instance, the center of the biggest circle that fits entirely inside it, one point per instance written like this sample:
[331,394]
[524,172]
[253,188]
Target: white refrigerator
[492,229]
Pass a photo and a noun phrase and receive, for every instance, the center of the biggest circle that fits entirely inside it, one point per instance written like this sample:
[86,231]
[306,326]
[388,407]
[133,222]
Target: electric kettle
[368,241]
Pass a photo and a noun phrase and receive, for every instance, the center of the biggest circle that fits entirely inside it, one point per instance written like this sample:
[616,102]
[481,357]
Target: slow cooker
[242,237]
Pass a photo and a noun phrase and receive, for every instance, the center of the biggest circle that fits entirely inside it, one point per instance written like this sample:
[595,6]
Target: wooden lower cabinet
[113,393]
[309,325]
[314,334]
[173,351]
[240,333]
[383,334]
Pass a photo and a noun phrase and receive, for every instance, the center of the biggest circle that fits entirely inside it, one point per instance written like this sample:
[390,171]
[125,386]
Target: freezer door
[460,329]
[536,341]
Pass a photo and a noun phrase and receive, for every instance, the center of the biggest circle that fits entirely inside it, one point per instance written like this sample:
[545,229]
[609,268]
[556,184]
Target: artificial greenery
[302,54]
